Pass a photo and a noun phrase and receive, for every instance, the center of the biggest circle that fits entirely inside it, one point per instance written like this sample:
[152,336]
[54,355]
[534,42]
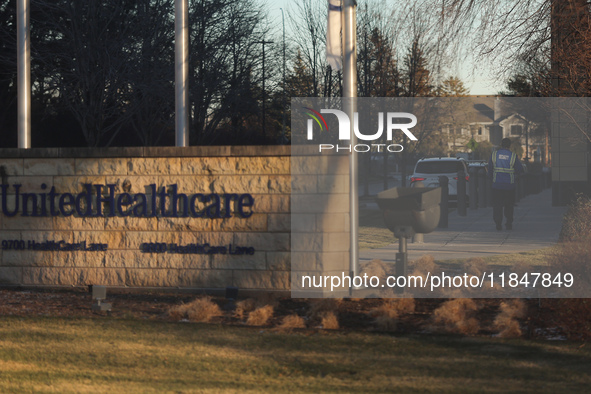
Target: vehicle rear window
[438,167]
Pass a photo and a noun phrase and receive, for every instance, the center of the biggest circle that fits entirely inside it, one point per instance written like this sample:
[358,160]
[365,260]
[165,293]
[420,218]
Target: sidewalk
[537,225]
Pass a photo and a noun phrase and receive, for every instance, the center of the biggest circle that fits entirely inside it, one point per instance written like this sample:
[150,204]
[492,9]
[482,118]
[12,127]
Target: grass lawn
[537,257]
[373,232]
[45,354]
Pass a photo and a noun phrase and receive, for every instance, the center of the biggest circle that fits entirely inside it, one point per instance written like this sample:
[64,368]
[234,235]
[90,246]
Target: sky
[476,81]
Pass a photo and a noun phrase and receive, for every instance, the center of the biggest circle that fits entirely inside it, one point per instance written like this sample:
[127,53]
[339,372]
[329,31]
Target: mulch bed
[542,320]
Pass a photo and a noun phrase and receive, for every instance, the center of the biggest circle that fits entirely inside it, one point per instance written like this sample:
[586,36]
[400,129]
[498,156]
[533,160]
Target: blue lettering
[245,200]
[66,200]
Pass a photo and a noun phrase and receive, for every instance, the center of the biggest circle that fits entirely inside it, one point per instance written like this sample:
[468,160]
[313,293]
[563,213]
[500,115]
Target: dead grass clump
[423,265]
[457,316]
[178,312]
[394,308]
[244,307]
[506,321]
[260,316]
[475,266]
[375,268]
[404,305]
[329,321]
[320,306]
[387,314]
[201,310]
[291,322]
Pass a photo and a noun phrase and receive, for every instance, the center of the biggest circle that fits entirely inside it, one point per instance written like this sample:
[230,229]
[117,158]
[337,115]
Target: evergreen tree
[417,77]
[452,87]
[301,81]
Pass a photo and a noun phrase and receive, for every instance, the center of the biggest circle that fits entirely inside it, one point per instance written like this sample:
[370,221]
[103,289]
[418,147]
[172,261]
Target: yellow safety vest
[499,166]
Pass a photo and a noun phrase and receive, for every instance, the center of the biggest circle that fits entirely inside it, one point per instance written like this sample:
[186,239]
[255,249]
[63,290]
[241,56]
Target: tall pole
[181,71]
[263,42]
[283,139]
[24,73]
[350,107]
[264,98]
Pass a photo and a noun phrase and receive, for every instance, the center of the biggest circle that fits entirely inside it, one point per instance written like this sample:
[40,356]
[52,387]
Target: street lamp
[263,42]
[23,22]
[284,98]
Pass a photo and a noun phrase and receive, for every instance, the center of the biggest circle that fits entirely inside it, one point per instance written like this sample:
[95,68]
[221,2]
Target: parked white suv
[428,171]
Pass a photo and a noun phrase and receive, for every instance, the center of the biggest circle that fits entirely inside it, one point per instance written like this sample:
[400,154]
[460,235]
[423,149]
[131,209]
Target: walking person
[503,167]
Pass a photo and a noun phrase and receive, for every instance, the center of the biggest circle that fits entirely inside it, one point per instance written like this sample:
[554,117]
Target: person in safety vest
[504,167]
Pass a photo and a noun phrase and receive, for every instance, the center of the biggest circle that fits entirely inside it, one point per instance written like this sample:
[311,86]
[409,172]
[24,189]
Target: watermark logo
[319,120]
[390,121]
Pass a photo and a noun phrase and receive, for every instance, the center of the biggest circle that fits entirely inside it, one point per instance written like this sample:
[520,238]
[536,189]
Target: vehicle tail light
[467,178]
[416,179]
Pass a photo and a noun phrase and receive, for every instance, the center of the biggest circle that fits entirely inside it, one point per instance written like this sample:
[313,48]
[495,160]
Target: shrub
[573,315]
[457,316]
[386,315]
[423,265]
[375,268]
[244,307]
[576,225]
[320,306]
[394,307]
[329,321]
[260,316]
[200,310]
[506,321]
[475,266]
[421,268]
[292,321]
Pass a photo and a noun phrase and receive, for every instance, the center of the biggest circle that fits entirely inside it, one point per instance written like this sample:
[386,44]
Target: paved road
[537,225]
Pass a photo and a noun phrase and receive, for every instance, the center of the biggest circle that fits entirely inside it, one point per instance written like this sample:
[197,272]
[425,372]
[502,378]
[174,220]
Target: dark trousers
[503,202]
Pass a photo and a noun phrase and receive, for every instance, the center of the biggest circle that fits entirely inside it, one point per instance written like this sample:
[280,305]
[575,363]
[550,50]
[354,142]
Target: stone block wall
[261,172]
[320,233]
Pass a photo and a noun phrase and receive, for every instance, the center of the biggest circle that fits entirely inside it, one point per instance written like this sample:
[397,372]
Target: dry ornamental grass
[506,321]
[475,266]
[318,307]
[201,310]
[386,315]
[260,316]
[423,265]
[244,307]
[291,322]
[375,268]
[456,316]
[330,321]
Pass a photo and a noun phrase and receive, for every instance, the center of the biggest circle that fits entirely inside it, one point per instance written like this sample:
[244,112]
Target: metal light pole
[349,46]
[24,72]
[181,71]
[263,42]
[283,138]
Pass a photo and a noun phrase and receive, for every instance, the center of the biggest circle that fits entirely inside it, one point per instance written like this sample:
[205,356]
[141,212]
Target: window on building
[480,130]
[516,129]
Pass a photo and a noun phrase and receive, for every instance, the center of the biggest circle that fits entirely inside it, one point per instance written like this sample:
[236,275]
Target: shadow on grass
[134,355]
